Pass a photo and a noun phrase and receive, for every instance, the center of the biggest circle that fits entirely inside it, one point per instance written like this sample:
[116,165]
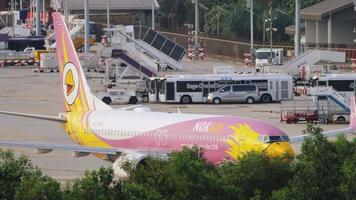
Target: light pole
[108,15]
[251,25]
[13,17]
[153,15]
[270,29]
[196,42]
[297,29]
[86,26]
[38,18]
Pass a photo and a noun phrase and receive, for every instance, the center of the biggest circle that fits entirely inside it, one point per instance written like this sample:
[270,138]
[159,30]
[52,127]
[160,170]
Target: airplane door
[170,91]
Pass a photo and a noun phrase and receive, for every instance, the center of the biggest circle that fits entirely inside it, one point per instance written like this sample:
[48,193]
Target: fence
[235,50]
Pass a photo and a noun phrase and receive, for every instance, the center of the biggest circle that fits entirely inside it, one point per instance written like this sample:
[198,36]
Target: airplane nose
[280,149]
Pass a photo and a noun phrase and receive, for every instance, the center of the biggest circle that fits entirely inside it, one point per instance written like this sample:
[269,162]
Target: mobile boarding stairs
[331,95]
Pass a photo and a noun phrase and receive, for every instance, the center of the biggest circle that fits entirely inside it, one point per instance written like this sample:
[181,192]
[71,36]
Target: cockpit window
[275,138]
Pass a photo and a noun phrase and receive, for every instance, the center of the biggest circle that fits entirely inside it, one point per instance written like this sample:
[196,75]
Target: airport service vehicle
[195,88]
[262,56]
[345,84]
[341,118]
[9,57]
[47,62]
[134,133]
[235,93]
[118,96]
[298,116]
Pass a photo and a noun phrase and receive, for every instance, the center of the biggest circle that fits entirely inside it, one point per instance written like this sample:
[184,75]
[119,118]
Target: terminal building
[329,23]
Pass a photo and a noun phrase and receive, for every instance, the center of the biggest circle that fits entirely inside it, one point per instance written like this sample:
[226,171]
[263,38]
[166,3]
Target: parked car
[118,96]
[235,93]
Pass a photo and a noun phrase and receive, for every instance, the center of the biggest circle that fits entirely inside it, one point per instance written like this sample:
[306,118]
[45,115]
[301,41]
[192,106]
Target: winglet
[352,113]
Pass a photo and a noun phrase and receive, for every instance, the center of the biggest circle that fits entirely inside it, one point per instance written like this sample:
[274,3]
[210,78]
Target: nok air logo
[70,83]
[244,140]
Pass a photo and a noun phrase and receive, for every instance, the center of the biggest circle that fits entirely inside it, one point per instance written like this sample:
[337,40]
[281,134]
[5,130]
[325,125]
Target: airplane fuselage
[222,137]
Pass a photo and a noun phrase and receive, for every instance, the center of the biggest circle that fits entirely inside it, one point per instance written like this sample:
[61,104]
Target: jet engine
[133,158]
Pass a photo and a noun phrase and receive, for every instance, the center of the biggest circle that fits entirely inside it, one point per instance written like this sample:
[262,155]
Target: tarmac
[22,90]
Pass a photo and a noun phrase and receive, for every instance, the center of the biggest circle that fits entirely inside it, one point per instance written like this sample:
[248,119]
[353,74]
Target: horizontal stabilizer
[35,116]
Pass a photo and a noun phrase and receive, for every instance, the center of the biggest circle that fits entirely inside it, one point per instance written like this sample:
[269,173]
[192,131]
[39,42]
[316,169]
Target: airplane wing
[42,147]
[300,138]
[44,117]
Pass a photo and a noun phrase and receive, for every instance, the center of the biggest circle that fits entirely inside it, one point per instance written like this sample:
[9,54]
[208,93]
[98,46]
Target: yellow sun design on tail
[244,140]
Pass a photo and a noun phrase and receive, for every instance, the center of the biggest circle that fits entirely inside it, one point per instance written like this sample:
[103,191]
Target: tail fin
[76,92]
[352,113]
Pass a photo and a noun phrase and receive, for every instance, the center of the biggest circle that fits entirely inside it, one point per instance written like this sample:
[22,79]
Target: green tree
[255,175]
[348,185]
[317,170]
[98,185]
[12,170]
[38,187]
[185,175]
[20,180]
[180,11]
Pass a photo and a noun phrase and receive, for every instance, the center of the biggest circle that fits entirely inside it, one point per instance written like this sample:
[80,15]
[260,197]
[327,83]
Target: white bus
[195,88]
[345,84]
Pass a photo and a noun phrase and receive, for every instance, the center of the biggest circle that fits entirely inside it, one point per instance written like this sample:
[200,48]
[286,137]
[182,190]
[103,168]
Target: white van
[235,93]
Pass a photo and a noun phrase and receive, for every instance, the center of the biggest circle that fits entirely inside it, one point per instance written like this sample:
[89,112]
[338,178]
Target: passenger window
[242,88]
[235,88]
[322,83]
[226,89]
[251,88]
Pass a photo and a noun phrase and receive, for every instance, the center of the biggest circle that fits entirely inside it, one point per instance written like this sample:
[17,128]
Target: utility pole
[264,28]
[21,5]
[86,26]
[196,42]
[108,14]
[44,10]
[297,29]
[153,14]
[66,10]
[38,18]
[13,17]
[218,24]
[271,30]
[251,25]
